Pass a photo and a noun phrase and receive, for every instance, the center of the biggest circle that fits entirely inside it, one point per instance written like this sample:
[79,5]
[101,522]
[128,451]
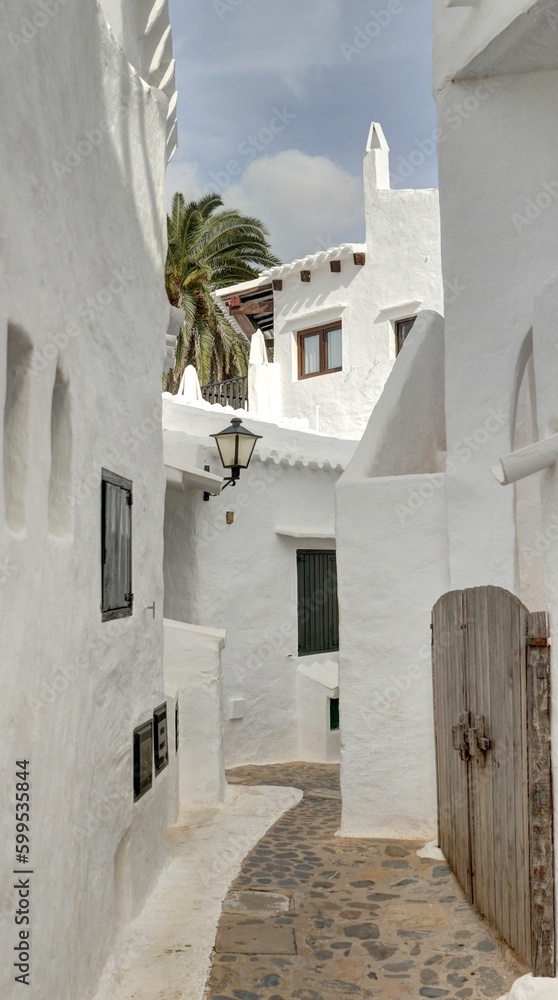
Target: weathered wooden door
[491,669]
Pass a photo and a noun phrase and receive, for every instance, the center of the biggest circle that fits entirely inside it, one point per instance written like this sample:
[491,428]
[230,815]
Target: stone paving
[316,917]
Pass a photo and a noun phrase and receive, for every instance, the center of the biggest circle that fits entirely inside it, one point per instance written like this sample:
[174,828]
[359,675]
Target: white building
[258,560]
[420,489]
[336,319]
[85,139]
[262,577]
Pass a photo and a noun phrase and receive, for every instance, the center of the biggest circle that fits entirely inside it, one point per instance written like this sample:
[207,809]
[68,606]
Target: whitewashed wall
[82,158]
[317,685]
[483,38]
[493,315]
[392,563]
[193,674]
[402,275]
[142,30]
[242,576]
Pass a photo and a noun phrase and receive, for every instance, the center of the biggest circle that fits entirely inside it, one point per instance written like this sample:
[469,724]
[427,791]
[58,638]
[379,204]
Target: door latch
[479,743]
[459,734]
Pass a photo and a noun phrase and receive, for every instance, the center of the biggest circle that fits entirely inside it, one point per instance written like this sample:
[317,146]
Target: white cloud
[308,203]
[239,62]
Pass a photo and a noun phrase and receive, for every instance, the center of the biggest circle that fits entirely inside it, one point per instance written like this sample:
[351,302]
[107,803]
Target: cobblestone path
[316,917]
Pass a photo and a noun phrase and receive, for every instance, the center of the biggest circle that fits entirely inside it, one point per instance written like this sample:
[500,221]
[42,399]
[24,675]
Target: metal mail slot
[143,759]
[161,738]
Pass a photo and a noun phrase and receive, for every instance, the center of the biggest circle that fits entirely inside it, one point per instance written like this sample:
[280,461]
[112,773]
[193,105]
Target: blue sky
[275,102]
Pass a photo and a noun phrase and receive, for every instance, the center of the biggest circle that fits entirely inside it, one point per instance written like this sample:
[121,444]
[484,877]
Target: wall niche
[17,413]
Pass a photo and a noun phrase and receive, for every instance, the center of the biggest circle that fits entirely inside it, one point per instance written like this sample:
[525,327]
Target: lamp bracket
[228,481]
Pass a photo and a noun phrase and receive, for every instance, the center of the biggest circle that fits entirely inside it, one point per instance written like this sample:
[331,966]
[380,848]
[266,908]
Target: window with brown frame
[320,351]
[403,328]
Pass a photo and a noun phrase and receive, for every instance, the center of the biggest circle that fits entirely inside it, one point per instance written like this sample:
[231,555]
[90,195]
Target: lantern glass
[236,445]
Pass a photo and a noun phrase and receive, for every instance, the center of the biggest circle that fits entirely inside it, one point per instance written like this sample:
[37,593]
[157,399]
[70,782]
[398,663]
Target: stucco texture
[82,244]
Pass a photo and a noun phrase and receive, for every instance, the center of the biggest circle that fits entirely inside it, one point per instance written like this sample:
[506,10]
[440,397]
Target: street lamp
[236,446]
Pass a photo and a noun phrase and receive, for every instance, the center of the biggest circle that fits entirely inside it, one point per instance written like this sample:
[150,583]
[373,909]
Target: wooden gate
[491,668]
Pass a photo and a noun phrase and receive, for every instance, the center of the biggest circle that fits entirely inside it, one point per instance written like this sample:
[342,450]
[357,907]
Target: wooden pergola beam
[245,324]
[250,308]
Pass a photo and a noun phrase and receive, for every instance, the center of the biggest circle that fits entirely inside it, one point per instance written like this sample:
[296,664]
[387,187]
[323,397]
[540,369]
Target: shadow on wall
[17,427]
[406,433]
[60,508]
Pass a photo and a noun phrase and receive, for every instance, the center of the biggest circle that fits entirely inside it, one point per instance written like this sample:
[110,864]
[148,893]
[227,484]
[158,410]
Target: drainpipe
[527,461]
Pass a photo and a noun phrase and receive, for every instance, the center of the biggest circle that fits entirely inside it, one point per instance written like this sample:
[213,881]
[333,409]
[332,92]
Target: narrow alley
[315,917]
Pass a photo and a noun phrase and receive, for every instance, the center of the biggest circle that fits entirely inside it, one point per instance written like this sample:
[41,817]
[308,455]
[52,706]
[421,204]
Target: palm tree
[209,249]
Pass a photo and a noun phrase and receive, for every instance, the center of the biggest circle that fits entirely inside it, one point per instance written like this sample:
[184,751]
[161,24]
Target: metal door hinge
[531,640]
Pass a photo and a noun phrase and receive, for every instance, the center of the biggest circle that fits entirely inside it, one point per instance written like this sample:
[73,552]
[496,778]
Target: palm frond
[210,247]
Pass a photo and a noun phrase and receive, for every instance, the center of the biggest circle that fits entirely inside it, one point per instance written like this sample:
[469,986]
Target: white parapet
[264,390]
[317,685]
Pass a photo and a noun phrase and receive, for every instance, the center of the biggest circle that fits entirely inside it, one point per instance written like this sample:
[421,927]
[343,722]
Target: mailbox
[161,738]
[143,759]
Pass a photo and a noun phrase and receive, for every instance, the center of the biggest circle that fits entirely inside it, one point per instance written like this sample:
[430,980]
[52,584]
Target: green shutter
[318,613]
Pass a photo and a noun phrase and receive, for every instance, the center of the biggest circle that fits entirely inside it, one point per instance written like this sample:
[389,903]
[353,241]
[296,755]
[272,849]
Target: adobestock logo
[453,120]
[88,312]
[379,20]
[461,453]
[534,207]
[249,149]
[30,26]
[91,138]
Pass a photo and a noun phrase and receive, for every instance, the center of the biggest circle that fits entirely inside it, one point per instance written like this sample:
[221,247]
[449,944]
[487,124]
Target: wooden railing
[232,392]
